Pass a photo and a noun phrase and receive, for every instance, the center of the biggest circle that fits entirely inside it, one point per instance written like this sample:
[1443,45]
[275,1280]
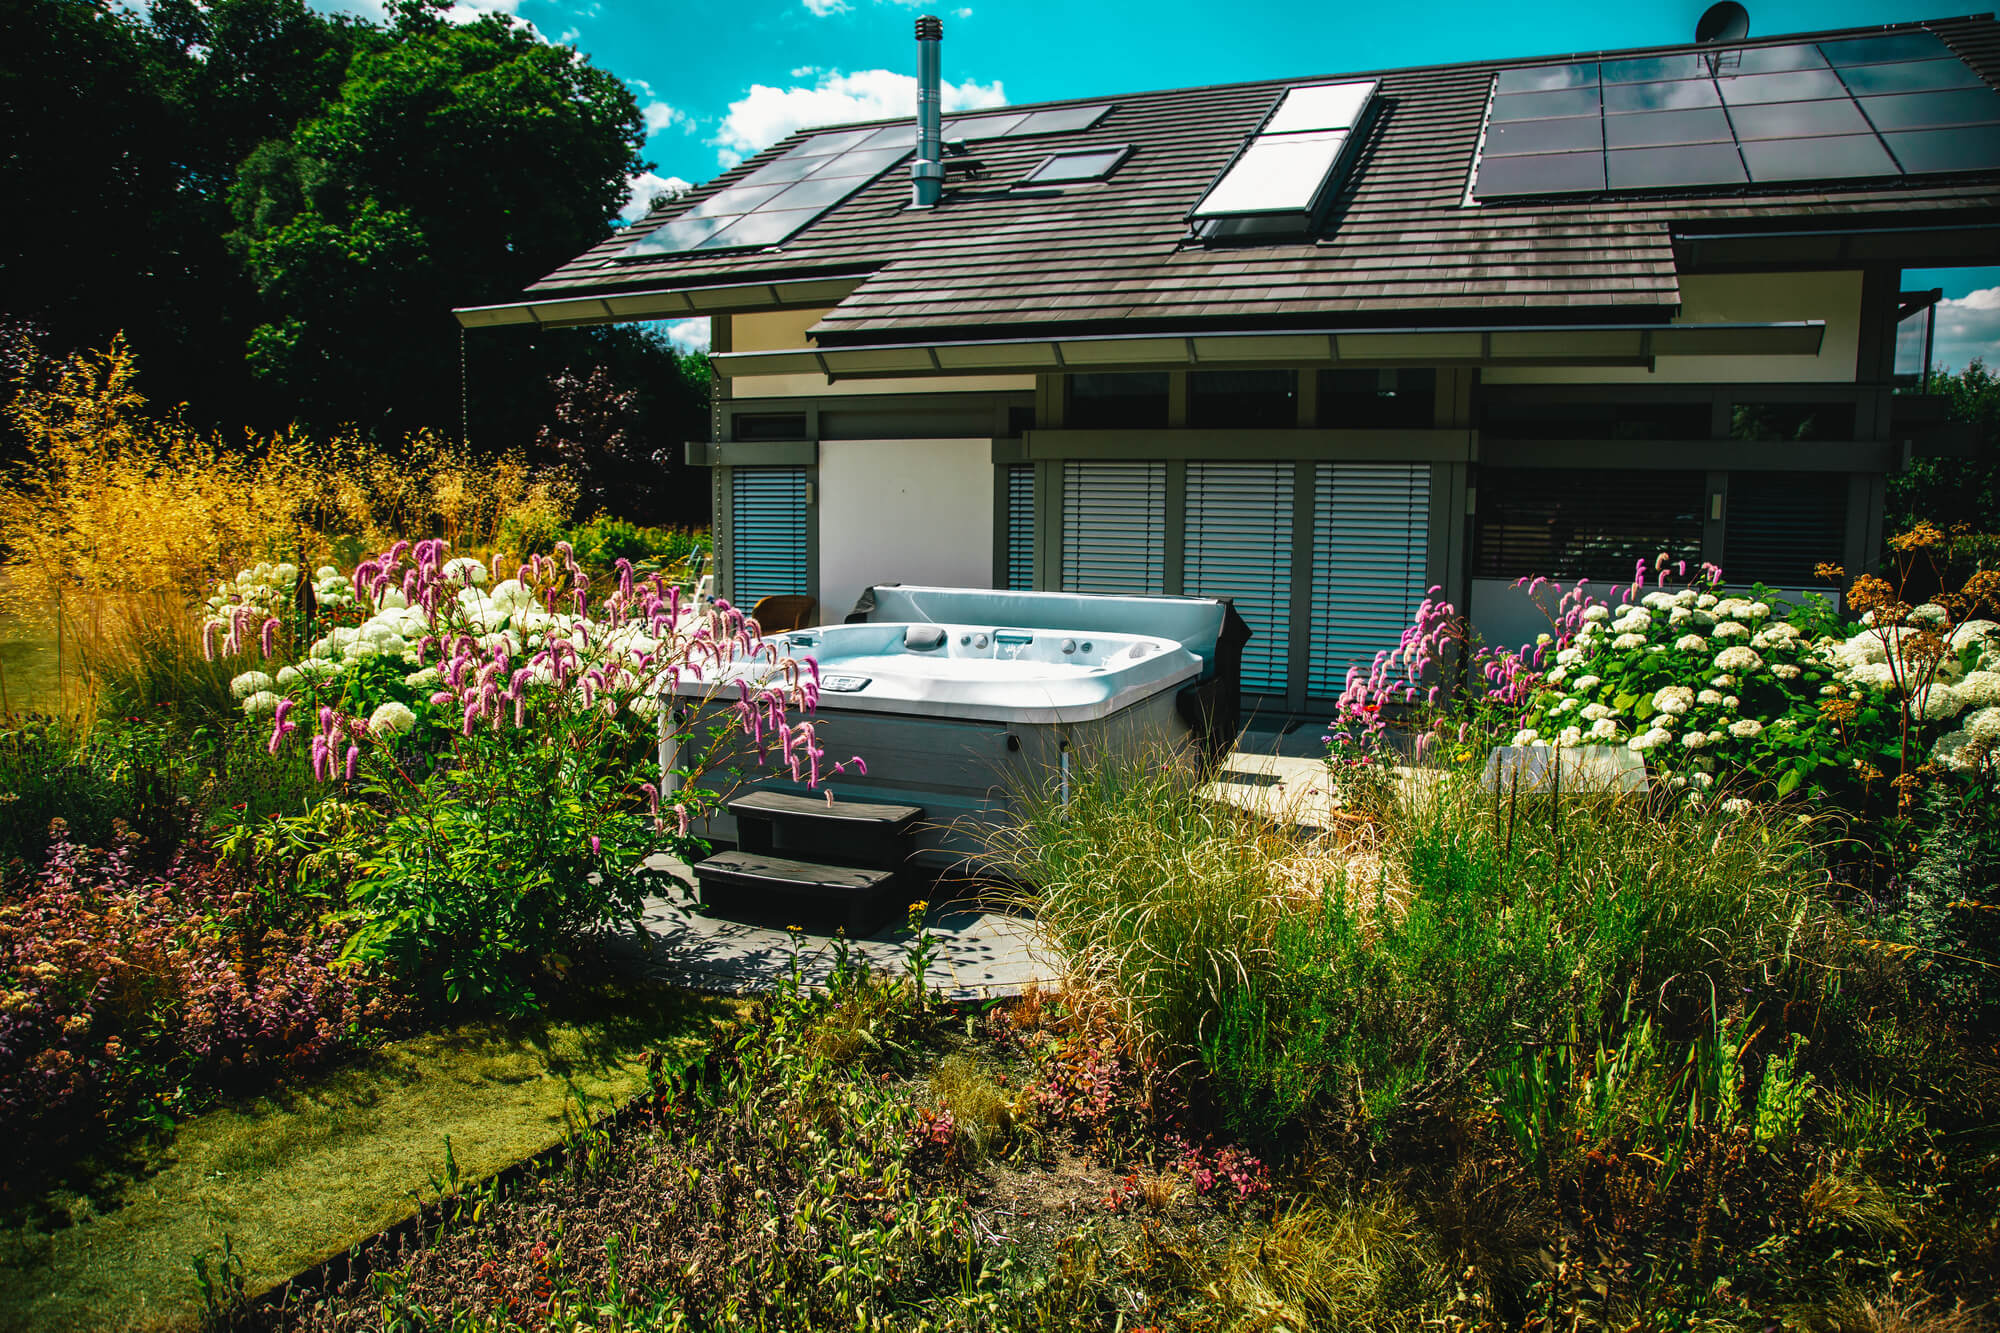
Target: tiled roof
[1401,243]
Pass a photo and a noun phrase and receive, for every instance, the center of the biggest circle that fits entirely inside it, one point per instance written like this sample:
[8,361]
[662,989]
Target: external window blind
[1781,524]
[1021,527]
[1571,523]
[1114,527]
[1238,544]
[1370,543]
[767,532]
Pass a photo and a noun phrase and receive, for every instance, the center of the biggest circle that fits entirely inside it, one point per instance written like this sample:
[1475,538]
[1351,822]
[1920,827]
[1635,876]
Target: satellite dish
[1725,21]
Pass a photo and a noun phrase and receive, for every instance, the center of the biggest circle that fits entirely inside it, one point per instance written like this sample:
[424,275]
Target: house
[1317,344]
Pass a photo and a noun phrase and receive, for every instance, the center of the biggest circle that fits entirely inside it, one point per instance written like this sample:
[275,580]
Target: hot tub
[958,700]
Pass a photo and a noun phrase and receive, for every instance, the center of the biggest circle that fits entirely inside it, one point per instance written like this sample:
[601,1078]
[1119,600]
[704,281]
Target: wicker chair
[785,611]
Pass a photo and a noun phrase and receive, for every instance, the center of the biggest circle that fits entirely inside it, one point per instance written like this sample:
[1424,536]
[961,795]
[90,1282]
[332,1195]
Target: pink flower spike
[353,760]
[595,845]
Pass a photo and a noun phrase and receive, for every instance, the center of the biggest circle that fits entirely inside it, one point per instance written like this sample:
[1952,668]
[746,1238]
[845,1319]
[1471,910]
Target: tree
[622,425]
[1949,491]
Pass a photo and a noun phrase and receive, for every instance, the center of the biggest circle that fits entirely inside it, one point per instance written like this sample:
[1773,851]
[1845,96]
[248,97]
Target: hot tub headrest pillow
[1197,623]
[923,638]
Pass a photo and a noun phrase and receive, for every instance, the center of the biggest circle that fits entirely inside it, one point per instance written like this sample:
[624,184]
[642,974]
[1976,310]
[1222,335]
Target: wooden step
[759,882]
[779,805]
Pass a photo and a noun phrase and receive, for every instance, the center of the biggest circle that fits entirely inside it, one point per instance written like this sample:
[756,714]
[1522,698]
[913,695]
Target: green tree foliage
[1956,490]
[279,208]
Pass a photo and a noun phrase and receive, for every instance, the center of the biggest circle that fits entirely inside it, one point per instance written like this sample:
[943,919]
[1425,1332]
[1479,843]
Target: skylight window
[1281,180]
[1902,104]
[1083,164]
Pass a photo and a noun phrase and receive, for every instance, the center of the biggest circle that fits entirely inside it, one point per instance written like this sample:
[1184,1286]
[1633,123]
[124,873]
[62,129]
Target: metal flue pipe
[927,172]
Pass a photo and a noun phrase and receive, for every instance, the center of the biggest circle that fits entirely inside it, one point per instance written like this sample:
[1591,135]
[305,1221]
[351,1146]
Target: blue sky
[720,81]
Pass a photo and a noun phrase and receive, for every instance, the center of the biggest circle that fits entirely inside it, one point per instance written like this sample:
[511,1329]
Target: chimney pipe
[927,172]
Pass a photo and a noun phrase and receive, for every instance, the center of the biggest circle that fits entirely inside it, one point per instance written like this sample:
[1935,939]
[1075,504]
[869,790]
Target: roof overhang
[1533,345]
[1969,242]
[741,298]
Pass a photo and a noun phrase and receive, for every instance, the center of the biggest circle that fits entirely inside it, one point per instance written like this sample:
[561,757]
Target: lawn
[306,1171]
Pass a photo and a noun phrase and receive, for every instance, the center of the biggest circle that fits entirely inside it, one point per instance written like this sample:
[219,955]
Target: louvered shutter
[1238,544]
[1572,523]
[767,533]
[1370,541]
[1021,527]
[1114,527]
[1781,524]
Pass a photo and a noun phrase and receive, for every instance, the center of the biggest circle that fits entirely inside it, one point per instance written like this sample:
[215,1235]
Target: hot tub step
[759,882]
[865,833]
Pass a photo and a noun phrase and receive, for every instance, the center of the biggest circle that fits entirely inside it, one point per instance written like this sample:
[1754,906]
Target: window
[1256,398]
[1237,543]
[1117,402]
[1283,176]
[767,533]
[1370,542]
[1571,523]
[1377,399]
[1791,421]
[753,426]
[1083,164]
[1782,524]
[1020,526]
[1114,527]
[1530,420]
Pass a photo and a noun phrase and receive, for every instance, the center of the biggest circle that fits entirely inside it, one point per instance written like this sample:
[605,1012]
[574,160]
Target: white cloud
[822,8]
[688,335]
[1968,326]
[644,188]
[660,116]
[765,115]
[961,13]
[805,71]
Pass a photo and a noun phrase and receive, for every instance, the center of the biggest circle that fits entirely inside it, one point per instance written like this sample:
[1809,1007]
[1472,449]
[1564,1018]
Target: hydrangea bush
[502,721]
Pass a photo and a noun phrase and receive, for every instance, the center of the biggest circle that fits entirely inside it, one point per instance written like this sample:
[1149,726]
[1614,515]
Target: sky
[720,81]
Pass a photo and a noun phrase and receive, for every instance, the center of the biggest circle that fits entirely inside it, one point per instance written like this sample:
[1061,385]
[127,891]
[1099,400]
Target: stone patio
[983,952]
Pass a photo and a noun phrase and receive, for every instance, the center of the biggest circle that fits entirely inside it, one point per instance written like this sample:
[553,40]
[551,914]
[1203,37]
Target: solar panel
[772,203]
[1854,109]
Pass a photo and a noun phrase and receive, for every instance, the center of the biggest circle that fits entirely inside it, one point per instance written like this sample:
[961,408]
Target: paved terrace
[984,951]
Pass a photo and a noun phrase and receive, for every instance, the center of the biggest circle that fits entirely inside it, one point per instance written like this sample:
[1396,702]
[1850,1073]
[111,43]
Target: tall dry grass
[119,518]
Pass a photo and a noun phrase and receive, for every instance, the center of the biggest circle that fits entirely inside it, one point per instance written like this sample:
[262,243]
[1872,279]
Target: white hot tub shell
[958,700]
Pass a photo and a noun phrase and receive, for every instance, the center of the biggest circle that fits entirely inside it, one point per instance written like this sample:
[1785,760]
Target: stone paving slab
[982,952]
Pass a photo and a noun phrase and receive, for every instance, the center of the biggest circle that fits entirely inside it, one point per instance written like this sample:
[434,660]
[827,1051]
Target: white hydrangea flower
[1695,740]
[1604,729]
[391,598]
[1570,738]
[1592,712]
[1937,702]
[1556,676]
[1568,656]
[1585,684]
[1730,703]
[426,679]
[1830,691]
[1625,642]
[1691,643]
[1930,613]
[261,703]
[1686,597]
[1980,688]
[1724,682]
[285,574]
[1525,736]
[1736,805]
[466,570]
[1730,629]
[1746,728]
[1758,610]
[1673,699]
[1680,615]
[1648,740]
[1732,608]
[1564,705]
[1595,614]
[249,683]
[1637,618]
[1971,632]
[1785,671]
[287,676]
[391,719]
[1984,726]
[1710,698]
[1875,675]
[1704,780]
[1738,659]
[1659,599]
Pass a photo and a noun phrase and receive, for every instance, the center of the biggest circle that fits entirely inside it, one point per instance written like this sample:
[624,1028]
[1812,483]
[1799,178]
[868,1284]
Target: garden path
[982,952]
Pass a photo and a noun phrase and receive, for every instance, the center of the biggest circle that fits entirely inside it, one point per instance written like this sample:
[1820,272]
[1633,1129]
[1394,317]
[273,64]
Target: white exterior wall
[903,511]
[1737,298]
